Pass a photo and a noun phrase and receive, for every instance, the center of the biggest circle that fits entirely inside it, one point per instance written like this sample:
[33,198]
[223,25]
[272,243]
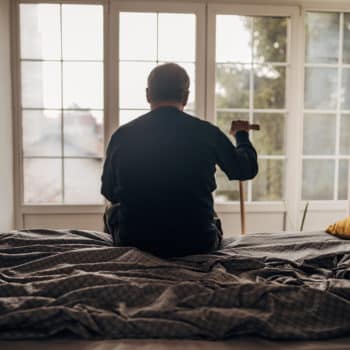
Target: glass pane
[138,36]
[83,133]
[345,96]
[83,85]
[318,179]
[190,69]
[269,87]
[41,85]
[233,39]
[345,134]
[270,39]
[268,185]
[232,86]
[82,179]
[132,84]
[343,179]
[85,40]
[321,88]
[40,31]
[322,37]
[224,120]
[42,181]
[346,40]
[128,115]
[270,138]
[176,42]
[41,133]
[319,134]
[227,191]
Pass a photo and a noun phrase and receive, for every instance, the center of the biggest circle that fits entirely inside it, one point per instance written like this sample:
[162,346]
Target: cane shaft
[242,207]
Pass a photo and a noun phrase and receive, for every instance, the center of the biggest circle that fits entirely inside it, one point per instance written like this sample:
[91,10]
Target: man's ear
[185,98]
[148,96]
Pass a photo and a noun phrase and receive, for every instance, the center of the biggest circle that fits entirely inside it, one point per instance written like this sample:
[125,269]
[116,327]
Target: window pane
[233,39]
[322,37]
[128,115]
[42,181]
[232,86]
[224,120]
[345,134]
[270,39]
[319,134]
[268,185]
[343,179]
[82,32]
[82,179]
[346,40]
[40,31]
[190,69]
[269,140]
[345,98]
[138,36]
[132,84]
[318,179]
[269,87]
[41,133]
[83,85]
[227,190]
[83,133]
[176,42]
[321,88]
[41,85]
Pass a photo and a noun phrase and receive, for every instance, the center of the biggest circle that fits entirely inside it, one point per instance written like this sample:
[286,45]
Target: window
[243,62]
[251,85]
[147,39]
[326,146]
[62,102]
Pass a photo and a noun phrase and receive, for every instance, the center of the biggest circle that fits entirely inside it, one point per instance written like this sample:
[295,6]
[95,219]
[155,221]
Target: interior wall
[6,170]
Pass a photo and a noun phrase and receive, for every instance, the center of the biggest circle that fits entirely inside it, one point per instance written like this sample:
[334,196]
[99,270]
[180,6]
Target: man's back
[162,171]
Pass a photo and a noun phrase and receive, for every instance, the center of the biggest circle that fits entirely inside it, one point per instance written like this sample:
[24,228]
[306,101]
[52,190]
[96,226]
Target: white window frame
[166,7]
[206,11]
[321,205]
[22,209]
[292,115]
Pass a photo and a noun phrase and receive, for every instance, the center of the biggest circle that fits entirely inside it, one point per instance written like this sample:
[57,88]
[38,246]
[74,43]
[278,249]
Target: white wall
[6,171]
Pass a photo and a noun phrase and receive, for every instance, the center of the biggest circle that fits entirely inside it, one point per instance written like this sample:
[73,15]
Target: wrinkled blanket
[76,284]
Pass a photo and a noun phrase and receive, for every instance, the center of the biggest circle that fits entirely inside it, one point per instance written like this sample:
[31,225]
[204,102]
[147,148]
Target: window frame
[321,205]
[22,209]
[206,10]
[292,163]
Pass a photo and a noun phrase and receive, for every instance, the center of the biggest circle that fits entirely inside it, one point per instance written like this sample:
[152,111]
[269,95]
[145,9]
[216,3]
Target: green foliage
[269,43]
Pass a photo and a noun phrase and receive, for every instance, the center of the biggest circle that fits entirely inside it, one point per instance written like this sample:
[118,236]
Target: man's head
[168,84]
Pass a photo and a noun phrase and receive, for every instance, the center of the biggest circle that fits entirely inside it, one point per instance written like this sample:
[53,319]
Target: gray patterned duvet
[76,284]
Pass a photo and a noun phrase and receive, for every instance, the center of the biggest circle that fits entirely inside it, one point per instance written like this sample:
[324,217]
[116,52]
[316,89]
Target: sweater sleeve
[240,162]
[109,181]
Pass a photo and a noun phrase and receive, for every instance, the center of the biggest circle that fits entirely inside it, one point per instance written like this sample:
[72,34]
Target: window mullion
[338,115]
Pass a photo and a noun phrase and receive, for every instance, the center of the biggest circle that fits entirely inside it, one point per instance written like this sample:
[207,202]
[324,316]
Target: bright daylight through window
[327,106]
[62,92]
[251,85]
[146,40]
[62,102]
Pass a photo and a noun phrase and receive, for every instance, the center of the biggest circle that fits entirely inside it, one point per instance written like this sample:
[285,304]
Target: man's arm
[108,179]
[238,163]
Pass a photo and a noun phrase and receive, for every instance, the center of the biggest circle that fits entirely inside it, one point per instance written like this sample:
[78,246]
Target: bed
[64,286]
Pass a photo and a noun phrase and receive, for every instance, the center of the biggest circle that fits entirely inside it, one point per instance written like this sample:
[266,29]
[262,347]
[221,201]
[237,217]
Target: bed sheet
[75,284]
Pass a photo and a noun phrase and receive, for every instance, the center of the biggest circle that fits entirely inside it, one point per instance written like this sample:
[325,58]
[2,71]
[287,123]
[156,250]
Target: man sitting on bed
[159,172]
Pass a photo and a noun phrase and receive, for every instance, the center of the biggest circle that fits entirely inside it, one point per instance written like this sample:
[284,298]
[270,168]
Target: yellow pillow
[341,228]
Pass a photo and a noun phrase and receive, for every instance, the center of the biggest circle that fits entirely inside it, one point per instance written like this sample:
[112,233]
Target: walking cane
[241,185]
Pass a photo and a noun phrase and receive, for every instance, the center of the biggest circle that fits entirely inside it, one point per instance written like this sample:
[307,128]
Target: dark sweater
[161,169]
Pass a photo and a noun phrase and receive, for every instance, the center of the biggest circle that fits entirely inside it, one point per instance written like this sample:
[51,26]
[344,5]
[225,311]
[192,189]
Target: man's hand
[239,125]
